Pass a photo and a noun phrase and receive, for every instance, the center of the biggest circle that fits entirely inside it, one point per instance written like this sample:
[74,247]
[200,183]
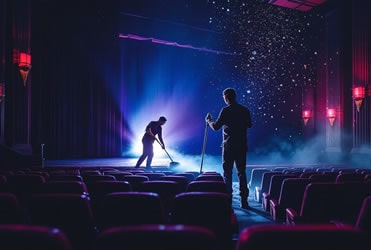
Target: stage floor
[157,164]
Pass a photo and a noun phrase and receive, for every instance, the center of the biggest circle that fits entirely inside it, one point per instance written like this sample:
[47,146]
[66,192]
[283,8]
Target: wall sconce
[358,96]
[2,91]
[331,115]
[306,114]
[24,65]
[23,61]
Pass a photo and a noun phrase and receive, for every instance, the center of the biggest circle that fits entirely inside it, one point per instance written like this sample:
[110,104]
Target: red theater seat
[72,213]
[292,192]
[11,211]
[130,208]
[303,237]
[207,209]
[21,237]
[161,236]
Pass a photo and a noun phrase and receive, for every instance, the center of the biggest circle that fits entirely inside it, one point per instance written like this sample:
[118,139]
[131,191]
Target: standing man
[235,120]
[153,128]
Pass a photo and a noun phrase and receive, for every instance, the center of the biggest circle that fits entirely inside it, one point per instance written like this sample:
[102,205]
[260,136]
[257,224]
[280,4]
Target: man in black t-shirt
[235,120]
[153,128]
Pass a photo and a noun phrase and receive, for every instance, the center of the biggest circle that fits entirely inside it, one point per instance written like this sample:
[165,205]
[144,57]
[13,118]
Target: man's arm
[160,138]
[217,124]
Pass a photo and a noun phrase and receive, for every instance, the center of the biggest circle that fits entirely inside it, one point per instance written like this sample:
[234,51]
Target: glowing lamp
[24,65]
[306,114]
[358,96]
[2,91]
[23,61]
[331,115]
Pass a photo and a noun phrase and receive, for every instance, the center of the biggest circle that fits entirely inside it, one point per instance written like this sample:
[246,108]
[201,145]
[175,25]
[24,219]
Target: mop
[172,163]
[204,145]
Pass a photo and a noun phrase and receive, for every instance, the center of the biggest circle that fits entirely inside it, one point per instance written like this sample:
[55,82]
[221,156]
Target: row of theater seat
[180,235]
[304,197]
[186,237]
[260,180]
[83,209]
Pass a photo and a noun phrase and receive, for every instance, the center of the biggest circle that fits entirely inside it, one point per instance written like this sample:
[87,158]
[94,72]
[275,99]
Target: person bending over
[153,128]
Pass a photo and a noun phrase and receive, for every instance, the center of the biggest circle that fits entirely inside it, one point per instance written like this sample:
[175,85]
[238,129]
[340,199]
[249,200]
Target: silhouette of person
[153,128]
[235,120]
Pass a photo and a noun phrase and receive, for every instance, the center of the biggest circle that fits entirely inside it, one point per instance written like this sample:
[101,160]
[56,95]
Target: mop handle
[204,146]
[163,148]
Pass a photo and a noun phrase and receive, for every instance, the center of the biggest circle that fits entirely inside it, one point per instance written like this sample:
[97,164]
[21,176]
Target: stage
[189,163]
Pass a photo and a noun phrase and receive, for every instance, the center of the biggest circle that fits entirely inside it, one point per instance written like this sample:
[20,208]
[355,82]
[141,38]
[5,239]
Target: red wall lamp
[23,61]
[358,96]
[306,114]
[331,115]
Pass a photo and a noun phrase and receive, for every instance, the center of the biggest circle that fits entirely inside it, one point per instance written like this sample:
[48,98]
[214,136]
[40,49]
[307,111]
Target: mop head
[173,164]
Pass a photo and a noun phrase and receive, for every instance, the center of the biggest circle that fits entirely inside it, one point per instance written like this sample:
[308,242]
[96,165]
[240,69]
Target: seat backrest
[182,180]
[98,189]
[130,208]
[161,236]
[324,177]
[209,177]
[11,211]
[364,216]
[166,189]
[24,185]
[189,176]
[307,174]
[152,176]
[349,202]
[256,177]
[208,209]
[22,236]
[93,178]
[303,237]
[292,191]
[135,180]
[276,183]
[72,213]
[75,187]
[349,177]
[65,177]
[207,186]
[266,180]
[274,189]
[118,174]
[318,202]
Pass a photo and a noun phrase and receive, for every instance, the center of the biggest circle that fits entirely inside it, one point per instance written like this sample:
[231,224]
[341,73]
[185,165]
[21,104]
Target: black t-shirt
[235,120]
[156,130]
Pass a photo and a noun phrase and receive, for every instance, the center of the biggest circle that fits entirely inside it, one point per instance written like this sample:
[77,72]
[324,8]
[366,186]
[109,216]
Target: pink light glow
[359,92]
[169,43]
[331,113]
[306,114]
[24,59]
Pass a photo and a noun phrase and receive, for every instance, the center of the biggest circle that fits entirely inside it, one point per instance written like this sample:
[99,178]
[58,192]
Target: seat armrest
[275,209]
[291,216]
[258,194]
[265,194]
[265,201]
[274,203]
